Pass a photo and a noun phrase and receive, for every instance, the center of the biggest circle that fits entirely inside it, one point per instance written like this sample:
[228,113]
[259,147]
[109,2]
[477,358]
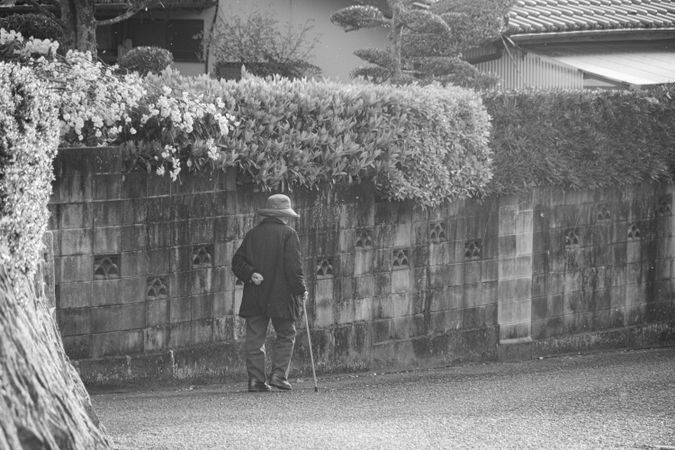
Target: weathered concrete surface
[601,400]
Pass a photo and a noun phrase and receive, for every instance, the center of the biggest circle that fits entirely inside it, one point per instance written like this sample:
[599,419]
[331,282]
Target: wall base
[224,361]
[638,336]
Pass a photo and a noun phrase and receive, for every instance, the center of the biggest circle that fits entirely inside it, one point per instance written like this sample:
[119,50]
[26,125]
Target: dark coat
[272,249]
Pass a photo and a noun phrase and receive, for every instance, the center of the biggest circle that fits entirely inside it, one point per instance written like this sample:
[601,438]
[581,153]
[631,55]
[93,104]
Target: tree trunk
[80,24]
[396,32]
[43,403]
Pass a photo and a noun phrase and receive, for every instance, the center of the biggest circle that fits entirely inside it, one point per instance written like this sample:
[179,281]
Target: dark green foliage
[421,34]
[581,139]
[474,22]
[371,73]
[38,26]
[452,70]
[423,144]
[377,56]
[358,16]
[289,69]
[146,60]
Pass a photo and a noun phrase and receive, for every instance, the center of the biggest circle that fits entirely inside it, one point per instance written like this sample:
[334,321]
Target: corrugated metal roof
[544,16]
[635,68]
[641,68]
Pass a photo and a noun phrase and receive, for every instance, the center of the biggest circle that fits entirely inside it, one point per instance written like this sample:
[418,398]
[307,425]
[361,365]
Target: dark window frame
[187,51]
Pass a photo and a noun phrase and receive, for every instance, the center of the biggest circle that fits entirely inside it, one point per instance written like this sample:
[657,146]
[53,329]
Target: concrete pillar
[515,268]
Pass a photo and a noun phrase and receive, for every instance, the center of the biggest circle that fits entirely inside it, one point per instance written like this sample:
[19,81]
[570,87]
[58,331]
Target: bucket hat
[278,205]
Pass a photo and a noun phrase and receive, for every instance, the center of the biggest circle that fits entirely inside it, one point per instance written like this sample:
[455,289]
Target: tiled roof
[544,16]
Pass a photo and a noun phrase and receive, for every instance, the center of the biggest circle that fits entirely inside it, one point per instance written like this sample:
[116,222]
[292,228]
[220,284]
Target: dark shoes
[275,380]
[258,386]
[280,383]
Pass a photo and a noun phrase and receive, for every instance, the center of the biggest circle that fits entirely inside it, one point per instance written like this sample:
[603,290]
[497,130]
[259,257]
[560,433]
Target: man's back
[272,250]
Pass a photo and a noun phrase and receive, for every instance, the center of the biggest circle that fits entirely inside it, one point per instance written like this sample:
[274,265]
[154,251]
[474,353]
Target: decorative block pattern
[572,237]
[633,231]
[603,212]
[665,206]
[437,232]
[202,256]
[400,258]
[157,288]
[107,267]
[473,249]
[364,238]
[324,267]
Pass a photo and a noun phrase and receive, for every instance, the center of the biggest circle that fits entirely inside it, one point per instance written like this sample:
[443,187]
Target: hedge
[426,144]
[29,25]
[580,139]
[29,136]
[146,60]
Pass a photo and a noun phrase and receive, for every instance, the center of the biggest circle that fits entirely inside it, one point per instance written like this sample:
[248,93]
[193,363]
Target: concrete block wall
[602,259]
[144,287]
[141,263]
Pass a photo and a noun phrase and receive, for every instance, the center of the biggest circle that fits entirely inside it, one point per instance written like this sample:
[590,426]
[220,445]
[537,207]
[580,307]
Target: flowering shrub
[426,144]
[94,102]
[44,97]
[13,46]
[97,106]
[172,126]
[28,143]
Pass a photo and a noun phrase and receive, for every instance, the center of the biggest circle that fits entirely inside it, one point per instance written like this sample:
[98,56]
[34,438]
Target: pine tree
[426,37]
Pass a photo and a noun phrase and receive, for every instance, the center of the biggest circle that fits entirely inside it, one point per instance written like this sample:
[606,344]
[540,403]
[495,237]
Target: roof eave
[593,35]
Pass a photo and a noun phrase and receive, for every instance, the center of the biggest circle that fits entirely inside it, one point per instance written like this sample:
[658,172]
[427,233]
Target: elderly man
[268,262]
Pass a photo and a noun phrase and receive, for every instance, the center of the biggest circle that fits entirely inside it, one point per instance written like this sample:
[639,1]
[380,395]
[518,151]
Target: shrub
[580,139]
[29,25]
[146,60]
[29,140]
[57,411]
[97,106]
[425,144]
[264,46]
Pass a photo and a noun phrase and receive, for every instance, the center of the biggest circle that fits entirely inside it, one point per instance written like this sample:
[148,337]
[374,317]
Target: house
[583,44]
[182,25]
[547,44]
[179,26]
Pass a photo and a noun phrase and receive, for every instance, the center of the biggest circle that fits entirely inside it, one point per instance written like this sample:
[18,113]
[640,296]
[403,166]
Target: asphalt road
[622,399]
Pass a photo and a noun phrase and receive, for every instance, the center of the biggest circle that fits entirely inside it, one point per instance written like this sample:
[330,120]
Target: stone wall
[144,288]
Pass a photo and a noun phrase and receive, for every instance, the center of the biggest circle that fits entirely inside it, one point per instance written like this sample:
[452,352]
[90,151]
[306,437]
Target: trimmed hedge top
[580,139]
[427,144]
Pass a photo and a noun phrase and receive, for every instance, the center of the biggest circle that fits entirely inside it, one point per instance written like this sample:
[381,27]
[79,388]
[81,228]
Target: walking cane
[309,340]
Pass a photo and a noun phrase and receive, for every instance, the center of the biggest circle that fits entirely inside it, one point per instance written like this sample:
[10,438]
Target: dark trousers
[282,349]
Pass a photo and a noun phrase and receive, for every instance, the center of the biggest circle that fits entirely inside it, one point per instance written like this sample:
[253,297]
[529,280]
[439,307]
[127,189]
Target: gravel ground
[622,399]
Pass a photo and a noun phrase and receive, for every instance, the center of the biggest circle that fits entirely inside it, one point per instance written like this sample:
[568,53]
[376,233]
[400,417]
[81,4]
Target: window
[182,37]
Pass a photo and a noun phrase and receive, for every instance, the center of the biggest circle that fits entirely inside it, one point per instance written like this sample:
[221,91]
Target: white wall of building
[334,53]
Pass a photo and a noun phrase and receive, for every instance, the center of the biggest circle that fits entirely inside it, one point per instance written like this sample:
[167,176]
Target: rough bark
[78,18]
[79,24]
[43,404]
[86,25]
[396,31]
[69,20]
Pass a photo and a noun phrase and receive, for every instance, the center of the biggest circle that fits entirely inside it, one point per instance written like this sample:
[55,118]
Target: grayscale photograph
[337,224]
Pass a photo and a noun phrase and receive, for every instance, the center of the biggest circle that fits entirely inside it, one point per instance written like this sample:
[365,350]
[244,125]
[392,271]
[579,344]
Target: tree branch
[129,13]
[47,13]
